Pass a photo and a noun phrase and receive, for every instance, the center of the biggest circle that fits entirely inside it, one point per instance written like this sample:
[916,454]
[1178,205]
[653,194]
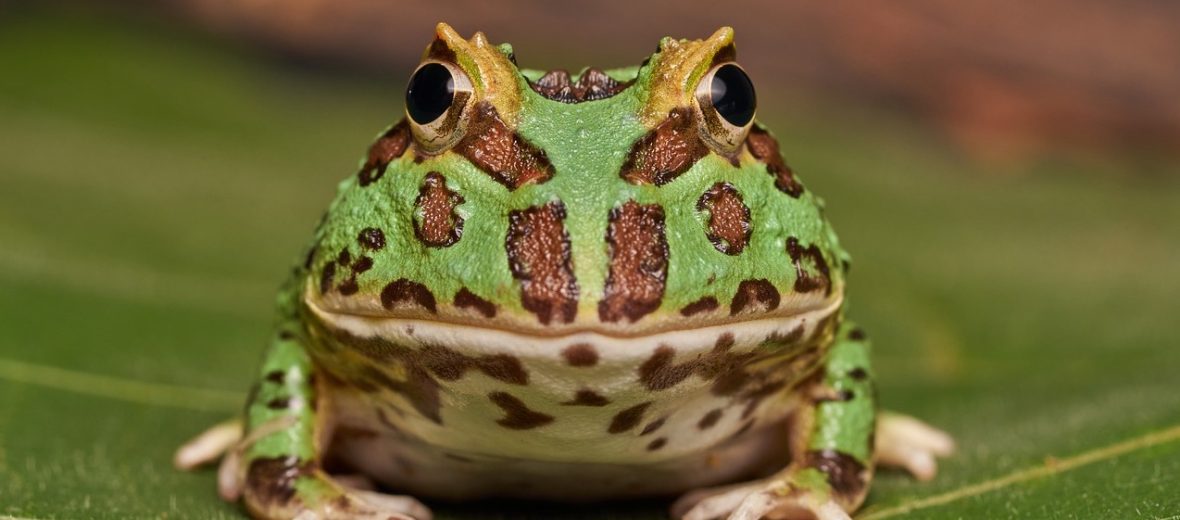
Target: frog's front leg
[276,468]
[832,444]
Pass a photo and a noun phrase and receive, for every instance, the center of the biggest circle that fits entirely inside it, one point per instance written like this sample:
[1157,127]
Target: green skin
[587,144]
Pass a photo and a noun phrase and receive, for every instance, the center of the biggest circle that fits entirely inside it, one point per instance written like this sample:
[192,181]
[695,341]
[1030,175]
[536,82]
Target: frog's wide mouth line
[414,330]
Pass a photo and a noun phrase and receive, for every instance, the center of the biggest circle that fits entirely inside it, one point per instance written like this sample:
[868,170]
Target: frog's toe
[906,442]
[761,499]
[208,446]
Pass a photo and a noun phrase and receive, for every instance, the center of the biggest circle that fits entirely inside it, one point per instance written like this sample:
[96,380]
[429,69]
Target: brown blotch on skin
[539,256]
[405,291]
[858,374]
[435,222]
[764,148]
[705,304]
[271,480]
[627,419]
[729,218]
[310,258]
[276,376]
[362,264]
[653,426]
[500,152]
[391,145]
[709,420]
[326,276]
[846,475]
[518,416]
[580,355]
[638,262]
[657,444]
[857,334]
[751,293]
[279,403]
[349,287]
[805,281]
[371,238]
[666,151]
[451,365]
[465,299]
[592,85]
[587,397]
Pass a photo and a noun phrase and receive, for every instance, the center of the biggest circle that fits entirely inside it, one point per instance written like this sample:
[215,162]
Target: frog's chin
[790,327]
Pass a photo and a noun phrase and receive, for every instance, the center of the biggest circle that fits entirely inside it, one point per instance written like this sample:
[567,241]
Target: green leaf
[154,188]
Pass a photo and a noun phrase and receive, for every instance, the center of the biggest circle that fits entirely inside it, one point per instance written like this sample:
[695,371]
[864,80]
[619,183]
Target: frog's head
[624,201]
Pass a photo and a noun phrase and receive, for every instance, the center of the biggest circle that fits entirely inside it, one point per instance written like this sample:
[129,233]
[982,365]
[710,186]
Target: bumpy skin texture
[580,297]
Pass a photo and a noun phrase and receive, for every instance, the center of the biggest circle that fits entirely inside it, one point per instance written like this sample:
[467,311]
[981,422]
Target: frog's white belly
[495,413]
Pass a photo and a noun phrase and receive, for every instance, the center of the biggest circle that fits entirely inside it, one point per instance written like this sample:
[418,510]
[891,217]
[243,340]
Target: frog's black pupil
[430,93]
[732,94]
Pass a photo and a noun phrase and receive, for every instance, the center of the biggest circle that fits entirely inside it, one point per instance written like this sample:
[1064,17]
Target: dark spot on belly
[465,299]
[586,397]
[845,474]
[804,280]
[858,374]
[402,291]
[538,250]
[659,373]
[754,293]
[729,218]
[709,420]
[391,145]
[500,152]
[665,152]
[653,426]
[657,444]
[436,224]
[627,419]
[518,416]
[857,334]
[276,376]
[592,85]
[580,355]
[271,481]
[371,238]
[451,365]
[705,304]
[638,262]
[764,148]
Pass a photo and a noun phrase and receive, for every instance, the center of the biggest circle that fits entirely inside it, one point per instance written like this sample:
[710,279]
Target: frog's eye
[727,103]
[436,97]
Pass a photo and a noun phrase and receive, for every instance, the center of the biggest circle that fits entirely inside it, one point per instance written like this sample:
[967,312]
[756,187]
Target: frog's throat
[407,330]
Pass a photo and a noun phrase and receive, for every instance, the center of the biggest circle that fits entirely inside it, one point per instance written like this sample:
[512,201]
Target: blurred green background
[1011,206]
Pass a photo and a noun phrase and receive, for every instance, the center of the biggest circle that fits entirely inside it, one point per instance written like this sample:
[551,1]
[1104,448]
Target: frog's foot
[774,498]
[282,488]
[906,442]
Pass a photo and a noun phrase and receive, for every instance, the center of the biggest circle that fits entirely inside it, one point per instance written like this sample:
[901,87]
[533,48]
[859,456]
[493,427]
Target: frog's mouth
[797,319]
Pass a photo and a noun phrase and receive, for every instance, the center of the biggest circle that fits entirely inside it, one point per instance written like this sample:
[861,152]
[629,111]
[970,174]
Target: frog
[568,287]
